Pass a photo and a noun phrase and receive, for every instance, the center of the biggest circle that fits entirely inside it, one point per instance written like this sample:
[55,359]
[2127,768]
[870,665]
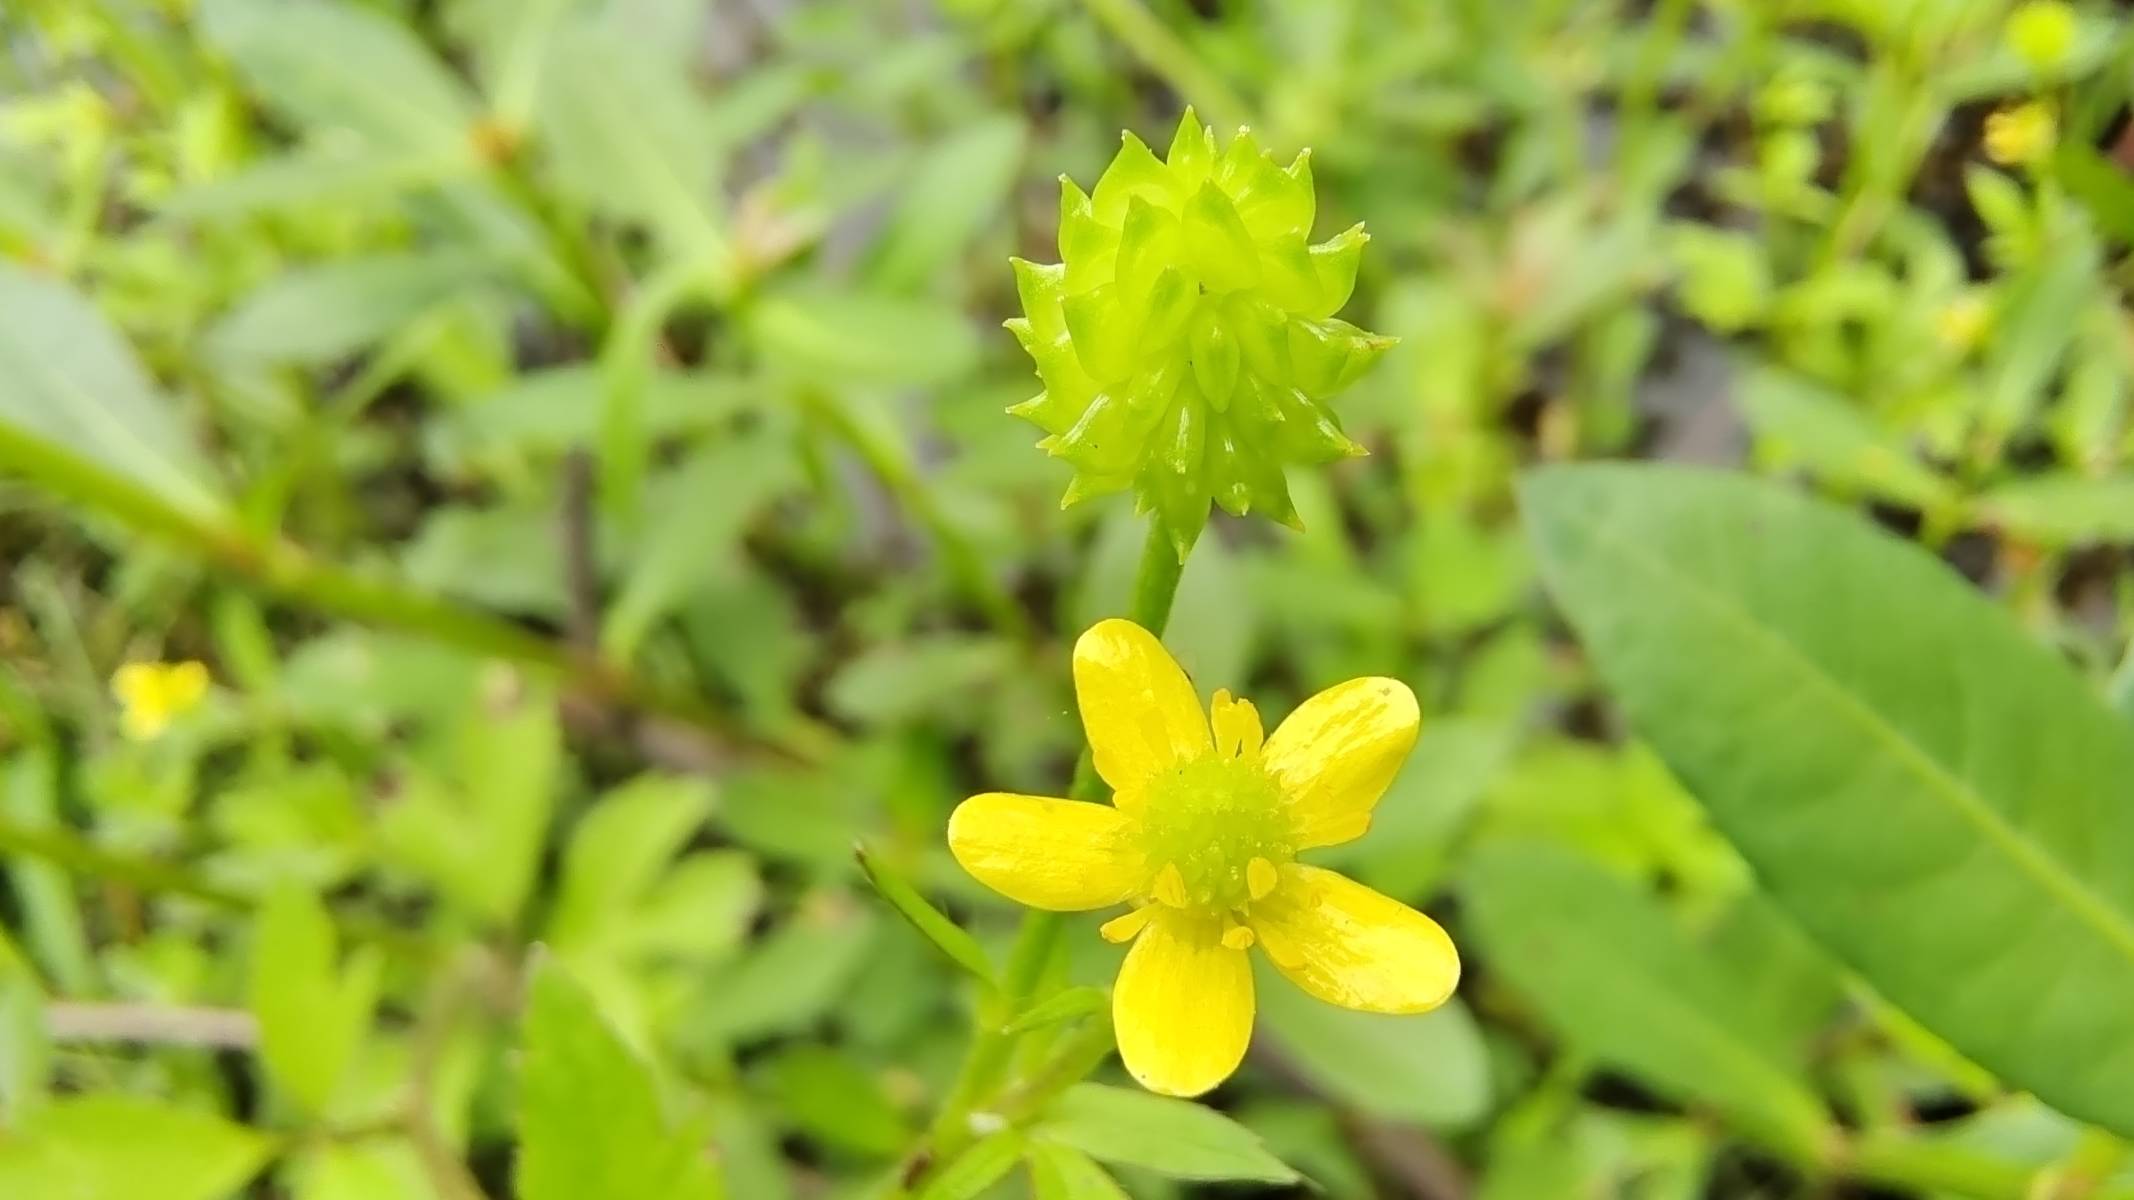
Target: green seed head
[1186,340]
[1210,820]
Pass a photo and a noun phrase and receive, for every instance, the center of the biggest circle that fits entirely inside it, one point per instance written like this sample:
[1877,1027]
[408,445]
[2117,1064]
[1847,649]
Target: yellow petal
[1236,725]
[1063,855]
[1183,1006]
[1139,710]
[184,684]
[1349,945]
[136,682]
[1335,755]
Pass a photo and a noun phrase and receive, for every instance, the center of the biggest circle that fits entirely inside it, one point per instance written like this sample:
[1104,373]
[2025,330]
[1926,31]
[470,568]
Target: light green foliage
[1912,776]
[571,435]
[590,1115]
[313,1011]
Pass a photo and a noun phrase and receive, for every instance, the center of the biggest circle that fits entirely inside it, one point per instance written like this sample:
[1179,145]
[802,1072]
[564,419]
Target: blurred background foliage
[571,434]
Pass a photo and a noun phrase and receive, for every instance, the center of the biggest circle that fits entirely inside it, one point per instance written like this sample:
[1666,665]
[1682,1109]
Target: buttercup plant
[1187,339]
[1201,837]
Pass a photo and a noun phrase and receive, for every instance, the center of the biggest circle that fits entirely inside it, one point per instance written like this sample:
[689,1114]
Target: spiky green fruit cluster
[1187,339]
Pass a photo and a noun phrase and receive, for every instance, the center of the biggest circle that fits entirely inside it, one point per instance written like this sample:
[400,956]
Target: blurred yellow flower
[1961,324]
[150,695]
[2022,134]
[1201,837]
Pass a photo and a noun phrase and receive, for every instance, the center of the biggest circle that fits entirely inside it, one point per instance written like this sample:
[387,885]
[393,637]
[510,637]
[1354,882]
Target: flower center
[1204,827]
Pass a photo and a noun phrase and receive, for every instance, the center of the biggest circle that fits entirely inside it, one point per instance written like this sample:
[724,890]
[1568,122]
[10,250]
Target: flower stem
[978,1082]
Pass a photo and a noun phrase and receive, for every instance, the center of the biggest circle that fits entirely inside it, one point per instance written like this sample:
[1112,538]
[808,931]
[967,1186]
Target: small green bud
[1187,341]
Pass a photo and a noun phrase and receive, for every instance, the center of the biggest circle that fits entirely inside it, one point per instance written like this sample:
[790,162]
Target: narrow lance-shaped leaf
[1934,796]
[1608,968]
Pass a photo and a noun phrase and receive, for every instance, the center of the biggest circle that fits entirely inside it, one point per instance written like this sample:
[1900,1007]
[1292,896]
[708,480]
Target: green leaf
[956,189]
[1067,1004]
[982,1164]
[2061,510]
[1932,795]
[312,1013]
[1430,1069]
[69,380]
[619,850]
[590,1118]
[1611,970]
[115,1147]
[475,823]
[933,925]
[699,512]
[837,1102]
[842,334]
[1174,1138]
[787,981]
[1800,422]
[1063,1173]
[320,314]
[344,67]
[628,137]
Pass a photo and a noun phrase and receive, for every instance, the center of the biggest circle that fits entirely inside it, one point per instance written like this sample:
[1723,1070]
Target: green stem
[978,1081]
[1163,52]
[63,848]
[289,571]
[892,463]
[1927,1167]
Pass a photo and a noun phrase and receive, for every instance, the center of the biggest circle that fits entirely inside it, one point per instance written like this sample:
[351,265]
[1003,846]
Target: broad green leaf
[335,176]
[69,381]
[1611,970]
[109,1146]
[618,850]
[1800,422]
[1175,1138]
[313,1013]
[590,1116]
[1064,1173]
[925,677]
[475,822]
[957,187]
[344,67]
[982,1164]
[788,980]
[506,557]
[318,314]
[547,412]
[1932,795]
[628,137]
[1430,1069]
[933,925]
[2061,510]
[847,335]
[367,1170]
[830,1097]
[698,512]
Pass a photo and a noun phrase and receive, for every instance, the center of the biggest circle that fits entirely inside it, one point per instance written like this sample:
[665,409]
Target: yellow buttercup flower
[2025,133]
[1201,837]
[150,695]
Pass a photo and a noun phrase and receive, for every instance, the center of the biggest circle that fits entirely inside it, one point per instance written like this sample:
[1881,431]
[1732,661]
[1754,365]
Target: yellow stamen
[1171,886]
[1260,878]
[1126,928]
[1238,937]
